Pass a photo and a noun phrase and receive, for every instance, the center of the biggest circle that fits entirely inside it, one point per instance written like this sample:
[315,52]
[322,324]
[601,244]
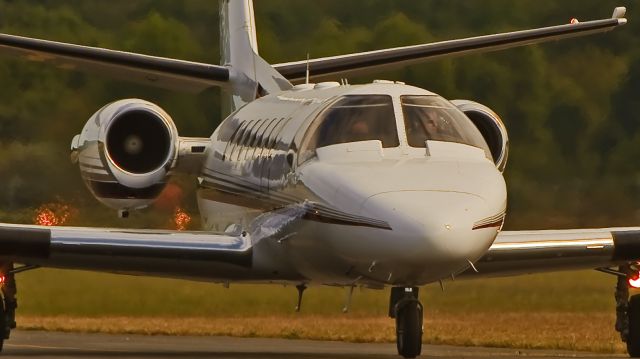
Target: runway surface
[72,345]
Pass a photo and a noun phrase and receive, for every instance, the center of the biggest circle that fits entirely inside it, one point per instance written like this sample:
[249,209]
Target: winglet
[618,13]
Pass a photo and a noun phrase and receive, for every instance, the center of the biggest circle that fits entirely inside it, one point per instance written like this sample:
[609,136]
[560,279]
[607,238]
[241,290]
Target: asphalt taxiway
[72,345]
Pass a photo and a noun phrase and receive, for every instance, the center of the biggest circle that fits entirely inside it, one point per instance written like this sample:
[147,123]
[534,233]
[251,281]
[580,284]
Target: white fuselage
[397,215]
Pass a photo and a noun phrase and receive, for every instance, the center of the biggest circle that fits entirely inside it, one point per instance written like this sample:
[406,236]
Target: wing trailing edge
[366,62]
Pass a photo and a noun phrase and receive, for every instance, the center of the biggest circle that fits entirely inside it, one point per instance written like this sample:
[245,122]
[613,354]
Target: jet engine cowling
[491,127]
[126,152]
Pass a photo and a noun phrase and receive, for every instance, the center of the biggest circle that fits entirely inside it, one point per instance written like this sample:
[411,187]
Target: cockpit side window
[353,118]
[433,118]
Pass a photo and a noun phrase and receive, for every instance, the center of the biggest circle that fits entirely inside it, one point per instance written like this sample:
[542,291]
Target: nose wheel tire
[409,328]
[633,339]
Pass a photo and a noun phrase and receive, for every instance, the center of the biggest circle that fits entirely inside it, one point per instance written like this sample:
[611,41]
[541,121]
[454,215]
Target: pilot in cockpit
[359,131]
[422,123]
[431,123]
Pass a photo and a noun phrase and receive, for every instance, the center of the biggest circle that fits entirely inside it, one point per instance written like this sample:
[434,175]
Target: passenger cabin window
[436,119]
[353,118]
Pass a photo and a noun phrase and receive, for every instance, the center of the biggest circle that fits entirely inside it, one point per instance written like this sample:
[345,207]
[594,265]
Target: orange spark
[52,214]
[181,219]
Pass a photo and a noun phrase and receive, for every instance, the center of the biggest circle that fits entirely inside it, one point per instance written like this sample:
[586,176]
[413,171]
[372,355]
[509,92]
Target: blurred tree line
[570,106]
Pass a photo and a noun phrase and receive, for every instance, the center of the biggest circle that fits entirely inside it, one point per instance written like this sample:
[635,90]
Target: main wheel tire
[633,340]
[4,328]
[409,328]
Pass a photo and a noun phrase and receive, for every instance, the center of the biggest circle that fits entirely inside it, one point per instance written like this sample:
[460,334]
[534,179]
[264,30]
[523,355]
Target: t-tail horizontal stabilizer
[243,73]
[367,62]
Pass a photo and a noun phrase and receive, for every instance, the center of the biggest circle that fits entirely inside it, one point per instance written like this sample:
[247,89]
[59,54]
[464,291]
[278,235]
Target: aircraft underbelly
[336,253]
[330,253]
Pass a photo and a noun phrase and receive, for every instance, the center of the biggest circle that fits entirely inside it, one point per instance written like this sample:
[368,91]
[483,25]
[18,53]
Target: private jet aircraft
[325,183]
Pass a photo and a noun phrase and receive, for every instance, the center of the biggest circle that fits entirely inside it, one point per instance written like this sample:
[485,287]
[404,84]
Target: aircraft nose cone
[434,227]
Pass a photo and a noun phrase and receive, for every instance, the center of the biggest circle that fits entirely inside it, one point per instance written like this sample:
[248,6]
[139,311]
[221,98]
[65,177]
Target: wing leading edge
[367,62]
[525,252]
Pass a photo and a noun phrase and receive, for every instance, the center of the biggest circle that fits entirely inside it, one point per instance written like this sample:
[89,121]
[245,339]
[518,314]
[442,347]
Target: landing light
[634,281]
[2,280]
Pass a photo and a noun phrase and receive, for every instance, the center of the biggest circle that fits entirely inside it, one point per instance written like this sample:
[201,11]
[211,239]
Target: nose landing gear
[408,312]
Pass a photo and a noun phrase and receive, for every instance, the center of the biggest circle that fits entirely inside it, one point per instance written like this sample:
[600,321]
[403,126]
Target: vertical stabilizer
[251,76]
[238,33]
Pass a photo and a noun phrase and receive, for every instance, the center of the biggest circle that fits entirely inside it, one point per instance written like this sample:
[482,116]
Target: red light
[2,280]
[574,21]
[45,217]
[181,219]
[634,281]
[53,214]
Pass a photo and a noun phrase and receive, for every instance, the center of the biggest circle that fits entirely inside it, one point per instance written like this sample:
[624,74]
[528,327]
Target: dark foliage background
[571,107]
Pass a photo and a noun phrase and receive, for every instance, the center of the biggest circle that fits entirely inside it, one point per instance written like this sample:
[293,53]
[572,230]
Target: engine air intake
[126,151]
[491,127]
[139,141]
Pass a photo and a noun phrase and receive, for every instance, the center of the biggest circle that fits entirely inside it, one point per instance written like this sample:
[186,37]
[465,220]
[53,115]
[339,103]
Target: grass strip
[545,330]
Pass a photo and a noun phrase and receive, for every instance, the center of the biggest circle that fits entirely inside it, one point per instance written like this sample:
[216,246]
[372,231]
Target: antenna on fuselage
[306,81]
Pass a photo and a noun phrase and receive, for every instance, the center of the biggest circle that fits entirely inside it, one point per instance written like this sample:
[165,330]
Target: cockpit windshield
[433,118]
[354,118]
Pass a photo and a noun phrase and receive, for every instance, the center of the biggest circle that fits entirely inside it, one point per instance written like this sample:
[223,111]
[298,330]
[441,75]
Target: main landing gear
[407,310]
[627,308]
[9,303]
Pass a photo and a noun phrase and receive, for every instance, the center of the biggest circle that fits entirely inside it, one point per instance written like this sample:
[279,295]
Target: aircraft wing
[525,252]
[162,253]
[199,255]
[156,71]
[366,62]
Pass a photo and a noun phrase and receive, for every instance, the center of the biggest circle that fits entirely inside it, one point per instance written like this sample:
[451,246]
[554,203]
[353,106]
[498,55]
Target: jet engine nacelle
[491,127]
[125,153]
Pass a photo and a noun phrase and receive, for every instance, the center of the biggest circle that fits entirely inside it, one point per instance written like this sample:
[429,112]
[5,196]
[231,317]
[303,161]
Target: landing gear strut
[407,310]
